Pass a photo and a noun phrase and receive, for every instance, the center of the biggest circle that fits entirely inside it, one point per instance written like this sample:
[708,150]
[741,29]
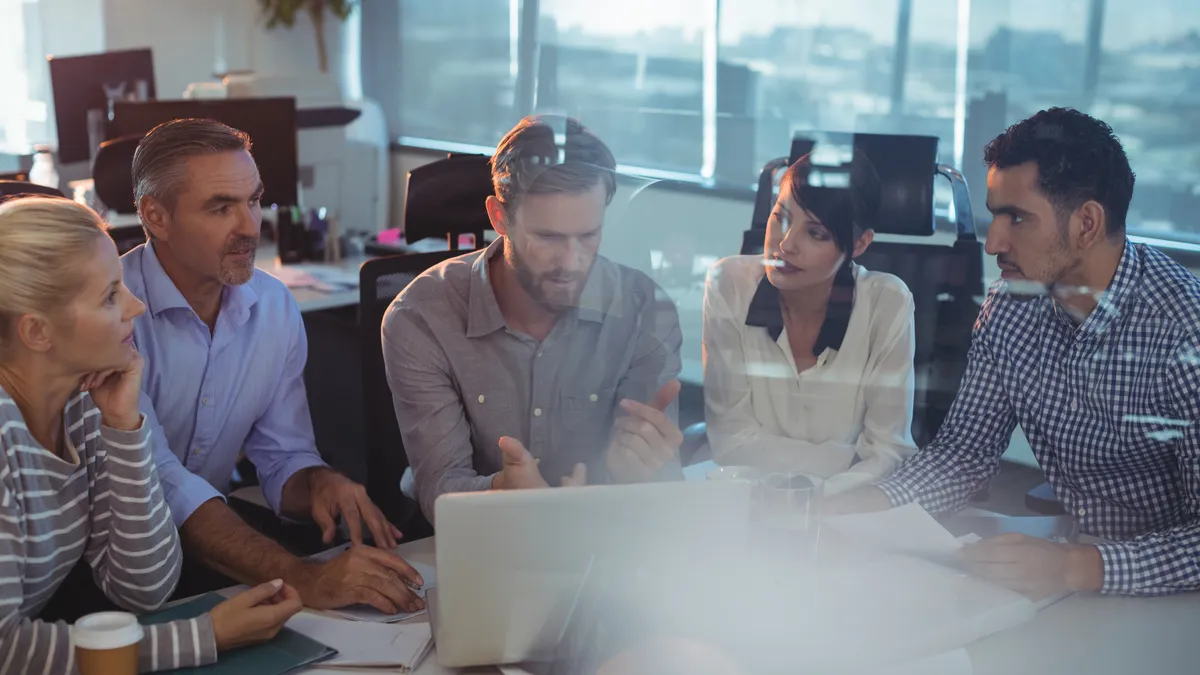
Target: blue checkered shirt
[1111,409]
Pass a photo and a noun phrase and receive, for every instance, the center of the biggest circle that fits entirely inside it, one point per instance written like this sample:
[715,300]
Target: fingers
[513,452]
[394,563]
[369,596]
[653,417]
[645,438]
[380,528]
[278,613]
[396,533]
[398,592]
[353,518]
[93,380]
[259,594]
[666,394]
[578,477]
[326,521]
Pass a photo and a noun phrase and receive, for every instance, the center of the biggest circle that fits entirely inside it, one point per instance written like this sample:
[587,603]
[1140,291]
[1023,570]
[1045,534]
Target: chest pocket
[588,412]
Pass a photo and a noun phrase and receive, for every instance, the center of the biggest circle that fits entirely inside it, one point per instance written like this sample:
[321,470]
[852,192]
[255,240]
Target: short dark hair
[548,153]
[158,160]
[1078,157]
[845,211]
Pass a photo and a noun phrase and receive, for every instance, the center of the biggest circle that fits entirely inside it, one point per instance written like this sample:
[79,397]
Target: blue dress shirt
[208,396]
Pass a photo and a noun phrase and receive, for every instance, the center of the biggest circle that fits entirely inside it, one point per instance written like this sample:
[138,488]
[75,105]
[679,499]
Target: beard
[557,290]
[235,272]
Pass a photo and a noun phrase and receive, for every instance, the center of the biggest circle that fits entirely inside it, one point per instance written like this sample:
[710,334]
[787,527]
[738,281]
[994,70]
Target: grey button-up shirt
[461,378]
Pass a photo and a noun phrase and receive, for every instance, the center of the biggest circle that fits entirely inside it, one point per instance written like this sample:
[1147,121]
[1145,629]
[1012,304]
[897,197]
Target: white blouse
[856,400]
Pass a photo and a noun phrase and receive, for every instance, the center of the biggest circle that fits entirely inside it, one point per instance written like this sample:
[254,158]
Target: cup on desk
[106,643]
[788,515]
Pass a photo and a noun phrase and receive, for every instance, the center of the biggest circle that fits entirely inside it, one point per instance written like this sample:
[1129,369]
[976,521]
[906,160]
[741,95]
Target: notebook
[286,652]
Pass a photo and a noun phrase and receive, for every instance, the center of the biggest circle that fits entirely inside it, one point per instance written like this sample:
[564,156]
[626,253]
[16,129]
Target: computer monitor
[270,122]
[83,83]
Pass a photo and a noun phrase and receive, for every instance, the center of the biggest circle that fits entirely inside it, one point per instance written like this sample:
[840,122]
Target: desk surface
[310,299]
[1083,633]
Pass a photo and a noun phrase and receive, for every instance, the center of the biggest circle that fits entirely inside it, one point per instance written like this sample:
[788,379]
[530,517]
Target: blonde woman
[76,476]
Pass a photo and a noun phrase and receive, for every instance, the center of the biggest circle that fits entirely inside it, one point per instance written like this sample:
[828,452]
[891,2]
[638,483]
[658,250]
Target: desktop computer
[95,82]
[270,122]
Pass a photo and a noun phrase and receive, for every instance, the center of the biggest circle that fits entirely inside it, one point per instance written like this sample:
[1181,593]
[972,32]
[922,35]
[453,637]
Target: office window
[14,76]
[960,70]
[458,69]
[1146,88]
[788,67]
[632,71]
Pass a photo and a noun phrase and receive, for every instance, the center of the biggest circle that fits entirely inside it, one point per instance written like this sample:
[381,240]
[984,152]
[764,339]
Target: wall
[221,35]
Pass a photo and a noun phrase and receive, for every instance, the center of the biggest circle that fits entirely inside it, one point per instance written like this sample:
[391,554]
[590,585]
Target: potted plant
[283,12]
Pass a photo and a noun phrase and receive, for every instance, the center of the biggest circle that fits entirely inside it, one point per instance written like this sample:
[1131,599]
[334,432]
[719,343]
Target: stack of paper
[907,530]
[368,645]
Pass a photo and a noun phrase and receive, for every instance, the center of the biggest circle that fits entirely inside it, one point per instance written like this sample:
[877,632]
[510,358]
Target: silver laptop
[511,564]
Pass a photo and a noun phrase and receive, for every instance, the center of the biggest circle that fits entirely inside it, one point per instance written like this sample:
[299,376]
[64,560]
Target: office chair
[380,281]
[112,173]
[944,280]
[447,198]
[12,189]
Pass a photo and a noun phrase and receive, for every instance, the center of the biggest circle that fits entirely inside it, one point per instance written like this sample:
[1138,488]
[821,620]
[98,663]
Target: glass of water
[789,508]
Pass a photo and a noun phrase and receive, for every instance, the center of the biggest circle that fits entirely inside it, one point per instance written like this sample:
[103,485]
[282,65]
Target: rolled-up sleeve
[184,490]
[429,411]
[281,441]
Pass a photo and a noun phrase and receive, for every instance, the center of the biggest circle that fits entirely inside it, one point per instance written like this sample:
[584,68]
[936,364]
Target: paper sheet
[906,529]
[367,645]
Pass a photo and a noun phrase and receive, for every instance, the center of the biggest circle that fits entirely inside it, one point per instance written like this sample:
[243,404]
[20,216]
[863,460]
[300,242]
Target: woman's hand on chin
[115,392]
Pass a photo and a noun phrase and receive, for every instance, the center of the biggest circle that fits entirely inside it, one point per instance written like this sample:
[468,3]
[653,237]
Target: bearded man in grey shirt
[536,359]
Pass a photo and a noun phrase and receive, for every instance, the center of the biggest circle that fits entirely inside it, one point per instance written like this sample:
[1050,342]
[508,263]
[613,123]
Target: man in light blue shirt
[225,351]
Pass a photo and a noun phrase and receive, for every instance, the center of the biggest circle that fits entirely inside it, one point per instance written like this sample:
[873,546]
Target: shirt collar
[1115,300]
[162,294]
[766,312]
[483,312]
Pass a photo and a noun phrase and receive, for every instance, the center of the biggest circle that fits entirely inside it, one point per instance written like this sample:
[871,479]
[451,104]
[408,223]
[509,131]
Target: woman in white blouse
[808,357]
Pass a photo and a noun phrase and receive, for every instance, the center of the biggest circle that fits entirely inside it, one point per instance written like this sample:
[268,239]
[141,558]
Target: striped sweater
[108,508]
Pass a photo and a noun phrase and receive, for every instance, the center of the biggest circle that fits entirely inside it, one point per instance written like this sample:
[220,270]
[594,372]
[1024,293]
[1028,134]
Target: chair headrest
[14,189]
[112,173]
[448,196]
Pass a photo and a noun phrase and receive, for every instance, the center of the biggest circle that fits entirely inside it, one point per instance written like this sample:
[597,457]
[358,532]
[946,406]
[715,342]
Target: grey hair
[159,170]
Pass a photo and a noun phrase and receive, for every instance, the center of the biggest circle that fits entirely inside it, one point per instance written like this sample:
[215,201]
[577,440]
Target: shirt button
[593,398]
[1082,512]
[1074,405]
[481,398]
[195,451]
[537,412]
[539,353]
[204,401]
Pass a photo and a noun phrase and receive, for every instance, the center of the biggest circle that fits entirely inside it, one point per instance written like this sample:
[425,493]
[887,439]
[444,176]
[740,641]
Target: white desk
[1081,634]
[310,299]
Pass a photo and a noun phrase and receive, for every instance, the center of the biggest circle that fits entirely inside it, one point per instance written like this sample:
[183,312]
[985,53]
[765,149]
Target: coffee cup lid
[106,630]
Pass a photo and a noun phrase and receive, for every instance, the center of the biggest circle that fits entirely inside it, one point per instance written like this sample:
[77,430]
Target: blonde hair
[41,238]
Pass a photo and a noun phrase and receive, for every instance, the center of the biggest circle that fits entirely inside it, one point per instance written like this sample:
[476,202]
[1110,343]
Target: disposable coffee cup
[106,643]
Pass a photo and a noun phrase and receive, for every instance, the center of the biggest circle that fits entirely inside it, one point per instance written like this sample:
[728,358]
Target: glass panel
[458,70]
[631,71]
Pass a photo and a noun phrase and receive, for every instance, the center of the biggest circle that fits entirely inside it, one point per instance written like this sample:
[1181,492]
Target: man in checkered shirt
[1100,367]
